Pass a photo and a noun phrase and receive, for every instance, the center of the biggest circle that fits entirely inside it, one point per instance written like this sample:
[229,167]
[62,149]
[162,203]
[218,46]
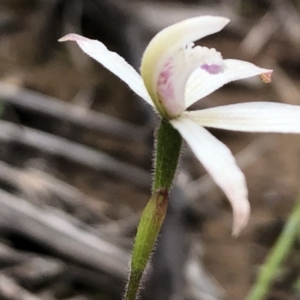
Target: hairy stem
[148,229]
[168,147]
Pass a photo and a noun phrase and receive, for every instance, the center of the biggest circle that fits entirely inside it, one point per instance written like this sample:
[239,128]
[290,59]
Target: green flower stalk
[168,146]
[148,230]
[175,74]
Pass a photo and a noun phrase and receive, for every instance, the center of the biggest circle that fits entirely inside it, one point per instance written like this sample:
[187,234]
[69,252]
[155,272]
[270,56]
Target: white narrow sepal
[251,117]
[113,62]
[221,165]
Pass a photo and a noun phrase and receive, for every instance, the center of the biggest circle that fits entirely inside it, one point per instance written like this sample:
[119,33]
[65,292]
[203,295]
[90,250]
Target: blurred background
[76,155]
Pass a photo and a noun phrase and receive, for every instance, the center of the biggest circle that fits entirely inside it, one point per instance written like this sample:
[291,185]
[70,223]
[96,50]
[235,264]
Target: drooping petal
[113,62]
[220,164]
[252,116]
[170,58]
[200,84]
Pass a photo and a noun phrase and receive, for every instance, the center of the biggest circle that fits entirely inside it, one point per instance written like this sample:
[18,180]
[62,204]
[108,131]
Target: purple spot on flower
[212,69]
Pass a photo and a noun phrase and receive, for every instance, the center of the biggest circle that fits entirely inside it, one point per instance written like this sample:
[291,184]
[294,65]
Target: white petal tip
[216,20]
[225,20]
[241,218]
[72,37]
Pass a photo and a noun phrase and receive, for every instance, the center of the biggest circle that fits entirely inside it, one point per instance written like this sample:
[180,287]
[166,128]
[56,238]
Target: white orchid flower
[175,74]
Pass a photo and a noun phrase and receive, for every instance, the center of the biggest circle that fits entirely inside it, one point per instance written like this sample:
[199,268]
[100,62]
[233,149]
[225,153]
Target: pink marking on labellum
[212,69]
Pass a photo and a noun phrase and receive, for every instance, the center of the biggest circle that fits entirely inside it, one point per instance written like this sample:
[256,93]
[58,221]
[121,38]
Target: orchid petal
[170,58]
[221,165]
[252,116]
[113,62]
[201,84]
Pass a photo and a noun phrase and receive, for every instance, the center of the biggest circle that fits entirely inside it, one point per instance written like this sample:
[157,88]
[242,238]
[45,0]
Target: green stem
[276,256]
[168,147]
[148,229]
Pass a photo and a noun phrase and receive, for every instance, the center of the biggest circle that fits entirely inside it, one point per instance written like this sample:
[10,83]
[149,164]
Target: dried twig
[35,183]
[72,151]
[10,257]
[61,236]
[36,102]
[10,290]
[37,271]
